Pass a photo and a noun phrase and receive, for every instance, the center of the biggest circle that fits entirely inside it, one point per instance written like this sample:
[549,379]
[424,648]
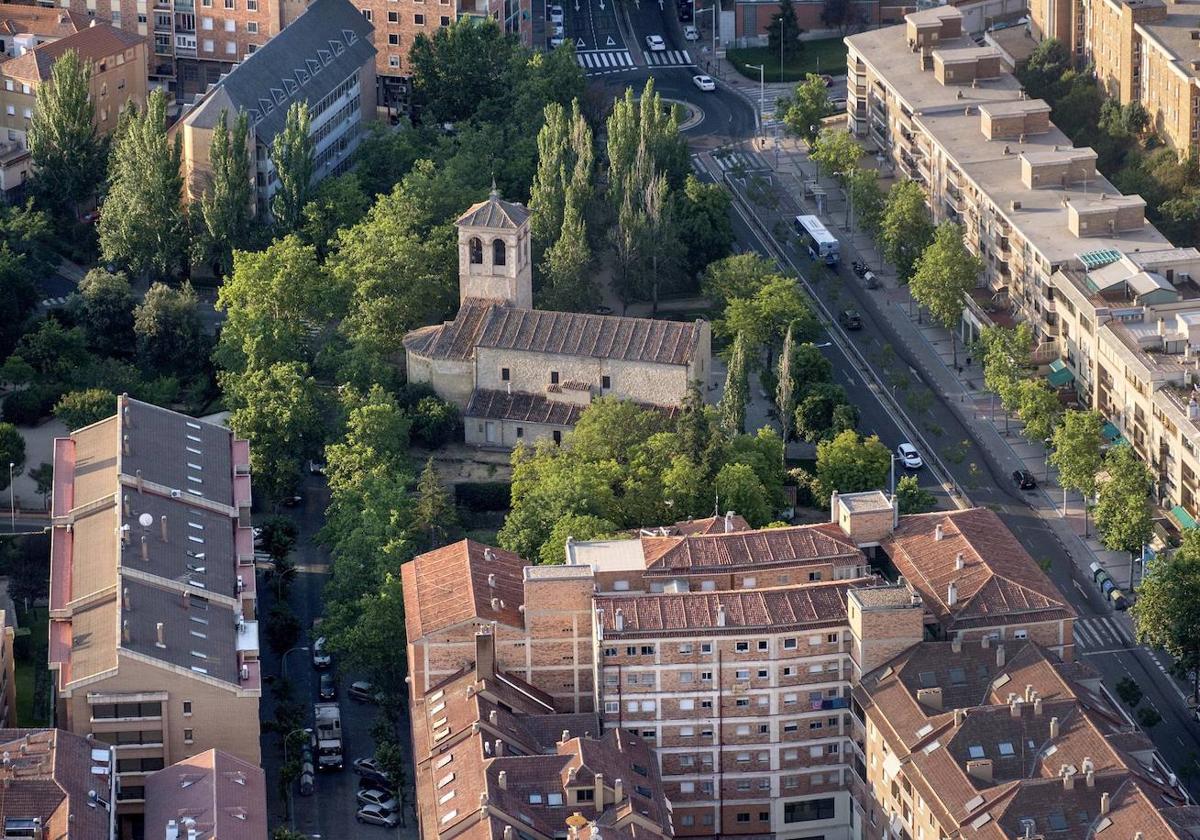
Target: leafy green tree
[227,202]
[566,157]
[817,417]
[840,15]
[1042,72]
[765,318]
[738,276]
[292,155]
[1122,514]
[1126,121]
[1167,611]
[104,308]
[48,354]
[867,200]
[785,389]
[803,111]
[77,409]
[567,282]
[367,635]
[1040,409]
[578,527]
[643,142]
[945,273]
[1006,360]
[905,229]
[12,451]
[279,408]
[434,512]
[1077,451]
[702,219]
[912,497]
[142,224]
[336,203]
[783,32]
[278,536]
[810,368]
[849,463]
[739,488]
[385,156]
[43,477]
[460,69]
[732,407]
[1129,691]
[661,252]
[170,336]
[64,144]
[836,152]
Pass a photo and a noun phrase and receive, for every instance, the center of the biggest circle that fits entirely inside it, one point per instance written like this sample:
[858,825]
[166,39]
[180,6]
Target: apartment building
[1110,300]
[8,684]
[56,784]
[153,638]
[324,59]
[733,652]
[1001,740]
[213,792]
[494,760]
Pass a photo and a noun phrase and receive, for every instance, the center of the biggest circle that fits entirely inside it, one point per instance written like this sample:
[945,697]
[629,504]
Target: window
[789,699]
[764,729]
[741,647]
[445,20]
[520,429]
[475,247]
[11,110]
[647,650]
[742,674]
[535,799]
[499,252]
[762,673]
[611,707]
[706,676]
[230,25]
[553,377]
[230,48]
[231,4]
[789,644]
[189,735]
[605,382]
[685,677]
[24,88]
[744,729]
[749,583]
[686,819]
[706,647]
[742,702]
[1005,748]
[419,20]
[814,575]
[763,644]
[743,816]
[557,435]
[187,707]
[252,5]
[975,751]
[788,670]
[585,795]
[687,787]
[808,810]
[764,816]
[687,705]
[208,45]
[505,375]
[252,27]
[687,731]
[1020,634]
[394,40]
[832,638]
[393,17]
[553,799]
[685,648]
[8,84]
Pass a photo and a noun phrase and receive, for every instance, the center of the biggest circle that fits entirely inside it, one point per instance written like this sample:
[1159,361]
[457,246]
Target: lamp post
[285,656]
[287,742]
[713,9]
[12,499]
[762,90]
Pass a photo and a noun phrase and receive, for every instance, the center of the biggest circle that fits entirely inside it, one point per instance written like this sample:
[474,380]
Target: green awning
[1059,378]
[1110,432]
[1185,519]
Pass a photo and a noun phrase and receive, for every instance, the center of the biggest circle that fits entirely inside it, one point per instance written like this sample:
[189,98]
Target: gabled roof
[999,582]
[47,774]
[744,550]
[91,44]
[495,213]
[458,583]
[224,795]
[18,19]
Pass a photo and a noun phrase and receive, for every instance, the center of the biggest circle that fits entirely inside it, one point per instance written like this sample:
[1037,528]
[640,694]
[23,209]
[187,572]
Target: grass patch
[822,55]
[31,675]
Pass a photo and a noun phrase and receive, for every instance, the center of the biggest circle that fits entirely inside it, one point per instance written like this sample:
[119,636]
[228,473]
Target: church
[519,373]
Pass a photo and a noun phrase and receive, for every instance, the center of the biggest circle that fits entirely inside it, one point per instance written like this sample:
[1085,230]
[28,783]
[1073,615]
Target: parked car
[691,33]
[378,796]
[704,82]
[369,769]
[909,457]
[850,319]
[655,43]
[321,658]
[556,41]
[328,690]
[292,501]
[1024,479]
[556,14]
[364,692]
[827,79]
[374,815]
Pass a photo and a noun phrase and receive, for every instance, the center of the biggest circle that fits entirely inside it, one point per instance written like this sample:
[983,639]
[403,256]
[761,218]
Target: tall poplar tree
[732,407]
[292,154]
[226,204]
[67,151]
[566,157]
[567,284]
[785,391]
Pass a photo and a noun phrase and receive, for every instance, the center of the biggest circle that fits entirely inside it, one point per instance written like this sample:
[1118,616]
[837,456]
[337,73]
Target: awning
[1185,519]
[1110,432]
[1059,374]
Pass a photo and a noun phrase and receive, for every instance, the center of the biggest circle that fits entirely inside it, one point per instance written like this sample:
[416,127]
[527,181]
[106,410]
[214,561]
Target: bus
[821,244]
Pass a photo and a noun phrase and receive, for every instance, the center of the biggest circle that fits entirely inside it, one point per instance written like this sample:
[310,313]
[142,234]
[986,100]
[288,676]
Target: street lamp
[287,742]
[762,90]
[285,656]
[12,500]
[713,9]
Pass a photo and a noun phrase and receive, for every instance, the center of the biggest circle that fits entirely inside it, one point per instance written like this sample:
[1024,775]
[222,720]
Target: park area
[824,55]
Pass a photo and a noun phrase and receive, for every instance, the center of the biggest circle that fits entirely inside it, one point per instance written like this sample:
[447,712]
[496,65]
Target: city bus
[821,244]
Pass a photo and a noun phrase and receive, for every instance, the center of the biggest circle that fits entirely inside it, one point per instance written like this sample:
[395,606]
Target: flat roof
[1174,35]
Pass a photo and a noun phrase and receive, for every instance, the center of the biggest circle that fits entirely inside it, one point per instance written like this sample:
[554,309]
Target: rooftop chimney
[485,655]
[958,561]
[1068,777]
[509,832]
[1037,706]
[125,445]
[720,615]
[566,736]
[145,549]
[599,796]
[619,619]
[956,643]
[985,642]
[162,521]
[158,628]
[499,748]
[1090,777]
[937,533]
[980,768]
[125,505]
[833,506]
[492,717]
[951,592]
[1015,707]
[618,790]
[1053,728]
[491,580]
[999,656]
[959,716]
[1105,803]
[1028,692]
[140,483]
[125,598]
[502,780]
[728,529]
[125,631]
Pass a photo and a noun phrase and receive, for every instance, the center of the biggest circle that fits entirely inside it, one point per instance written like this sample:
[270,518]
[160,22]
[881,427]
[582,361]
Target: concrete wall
[657,384]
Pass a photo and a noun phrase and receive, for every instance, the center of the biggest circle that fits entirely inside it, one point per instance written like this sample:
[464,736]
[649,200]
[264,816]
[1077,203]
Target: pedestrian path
[669,58]
[1100,634]
[598,62]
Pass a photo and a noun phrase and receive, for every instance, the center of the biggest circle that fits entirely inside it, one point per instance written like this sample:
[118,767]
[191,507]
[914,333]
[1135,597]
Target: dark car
[850,319]
[328,686]
[1024,479]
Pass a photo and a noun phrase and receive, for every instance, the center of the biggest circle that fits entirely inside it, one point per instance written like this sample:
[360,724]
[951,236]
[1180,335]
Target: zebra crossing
[598,62]
[1101,633]
[669,58]
[50,303]
[733,161]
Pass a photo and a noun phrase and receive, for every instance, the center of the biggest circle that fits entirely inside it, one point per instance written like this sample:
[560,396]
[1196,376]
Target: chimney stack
[140,483]
[728,529]
[125,445]
[158,628]
[1015,707]
[599,796]
[999,656]
[985,642]
[959,716]
[720,615]
[618,790]
[145,549]
[833,506]
[1090,776]
[956,643]
[1105,803]
[980,768]
[619,619]
[485,655]
[937,533]
[499,748]
[125,599]
[125,505]
[1028,692]
[502,780]
[492,717]
[125,631]
[162,521]
[509,832]
[566,736]
[1068,777]
[1053,728]
[958,561]
[951,592]
[1037,706]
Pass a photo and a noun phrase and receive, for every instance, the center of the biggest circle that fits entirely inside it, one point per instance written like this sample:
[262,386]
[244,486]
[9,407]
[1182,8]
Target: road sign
[610,42]
[579,43]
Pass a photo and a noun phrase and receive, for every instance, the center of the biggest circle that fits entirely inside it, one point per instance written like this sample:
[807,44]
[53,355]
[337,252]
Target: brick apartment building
[214,793]
[153,637]
[733,652]
[56,784]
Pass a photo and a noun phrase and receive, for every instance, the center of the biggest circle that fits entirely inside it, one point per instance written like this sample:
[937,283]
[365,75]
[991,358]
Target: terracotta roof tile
[223,794]
[521,407]
[495,212]
[451,584]
[726,552]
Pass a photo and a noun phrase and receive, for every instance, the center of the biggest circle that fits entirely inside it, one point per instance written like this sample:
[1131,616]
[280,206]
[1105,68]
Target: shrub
[484,495]
[435,422]
[27,407]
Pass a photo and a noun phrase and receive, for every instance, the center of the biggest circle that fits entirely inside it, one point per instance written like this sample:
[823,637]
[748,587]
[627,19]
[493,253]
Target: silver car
[375,815]
[374,796]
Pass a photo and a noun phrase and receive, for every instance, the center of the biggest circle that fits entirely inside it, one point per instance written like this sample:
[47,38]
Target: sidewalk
[962,387]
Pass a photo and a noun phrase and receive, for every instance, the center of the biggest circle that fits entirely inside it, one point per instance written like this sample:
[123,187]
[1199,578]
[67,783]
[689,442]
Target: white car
[556,41]
[374,796]
[909,457]
[704,82]
[375,815]
[556,14]
[320,656]
[691,33]
[655,43]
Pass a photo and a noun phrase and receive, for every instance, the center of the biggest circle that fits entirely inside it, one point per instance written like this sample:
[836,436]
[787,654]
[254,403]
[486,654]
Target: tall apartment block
[153,638]
[733,652]
[1113,304]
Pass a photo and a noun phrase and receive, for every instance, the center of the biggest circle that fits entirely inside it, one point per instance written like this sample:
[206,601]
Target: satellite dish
[146,520]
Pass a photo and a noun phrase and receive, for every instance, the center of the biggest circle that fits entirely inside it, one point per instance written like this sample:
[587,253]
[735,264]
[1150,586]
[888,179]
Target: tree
[12,451]
[292,155]
[434,512]
[64,144]
[1122,514]
[43,477]
[170,336]
[567,281]
[702,220]
[1044,69]
[732,407]
[945,273]
[783,32]
[836,152]
[785,390]
[803,111]
[277,536]
[1129,691]
[1167,611]
[766,317]
[1006,359]
[460,70]
[577,527]
[1039,408]
[566,158]
[142,223]
[226,203]
[905,229]
[810,368]
[912,497]
[643,142]
[1124,122]
[849,464]
[77,409]
[1077,451]
[867,200]
[104,308]
[279,408]
[817,416]
[839,15]
[336,203]
[739,488]
[739,276]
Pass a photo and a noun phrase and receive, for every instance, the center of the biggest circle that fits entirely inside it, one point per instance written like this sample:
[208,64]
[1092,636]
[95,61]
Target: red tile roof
[93,43]
[47,773]
[458,583]
[745,550]
[227,797]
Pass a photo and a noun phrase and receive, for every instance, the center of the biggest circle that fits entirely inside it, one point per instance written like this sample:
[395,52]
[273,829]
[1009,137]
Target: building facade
[153,637]
[521,374]
[56,784]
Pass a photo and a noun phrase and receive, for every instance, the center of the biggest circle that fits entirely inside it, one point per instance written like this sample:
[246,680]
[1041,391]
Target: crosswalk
[733,160]
[50,303]
[1102,633]
[597,62]
[669,58]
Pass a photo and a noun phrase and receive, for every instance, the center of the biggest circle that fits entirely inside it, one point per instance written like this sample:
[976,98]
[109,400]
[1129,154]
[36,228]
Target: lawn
[31,675]
[825,55]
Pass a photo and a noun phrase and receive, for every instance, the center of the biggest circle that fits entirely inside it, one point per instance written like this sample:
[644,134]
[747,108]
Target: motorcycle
[860,268]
